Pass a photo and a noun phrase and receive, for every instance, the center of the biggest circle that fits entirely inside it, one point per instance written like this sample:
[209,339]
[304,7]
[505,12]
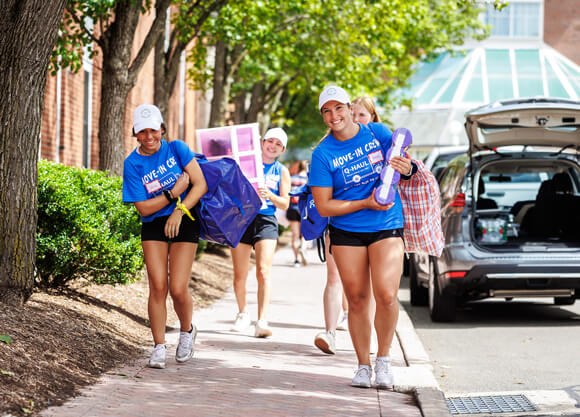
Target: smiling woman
[164,181]
[262,234]
[366,237]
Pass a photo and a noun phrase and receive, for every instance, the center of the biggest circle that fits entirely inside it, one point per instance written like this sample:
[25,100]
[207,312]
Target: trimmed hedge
[84,229]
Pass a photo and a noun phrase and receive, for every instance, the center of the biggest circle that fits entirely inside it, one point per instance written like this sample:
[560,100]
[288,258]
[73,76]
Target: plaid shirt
[422,212]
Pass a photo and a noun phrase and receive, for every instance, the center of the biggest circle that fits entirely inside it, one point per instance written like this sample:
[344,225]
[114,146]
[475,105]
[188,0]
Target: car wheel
[419,295]
[564,301]
[441,304]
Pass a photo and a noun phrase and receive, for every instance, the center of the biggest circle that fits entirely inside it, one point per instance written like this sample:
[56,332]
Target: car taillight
[458,201]
[455,274]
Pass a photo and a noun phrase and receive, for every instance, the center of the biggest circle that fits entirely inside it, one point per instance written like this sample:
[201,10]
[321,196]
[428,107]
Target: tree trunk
[239,113]
[167,63]
[161,94]
[221,89]
[117,45]
[256,103]
[227,63]
[165,72]
[120,75]
[24,54]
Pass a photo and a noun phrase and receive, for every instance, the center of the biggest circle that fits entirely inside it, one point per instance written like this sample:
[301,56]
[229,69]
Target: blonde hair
[369,104]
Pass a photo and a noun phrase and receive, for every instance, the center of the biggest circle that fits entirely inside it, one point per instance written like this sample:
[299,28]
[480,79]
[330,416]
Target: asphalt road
[494,345]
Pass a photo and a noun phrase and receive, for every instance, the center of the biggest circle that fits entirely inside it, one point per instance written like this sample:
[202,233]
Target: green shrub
[84,228]
[200,249]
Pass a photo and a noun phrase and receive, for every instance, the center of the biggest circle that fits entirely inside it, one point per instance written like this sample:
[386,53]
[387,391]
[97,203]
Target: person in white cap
[366,238]
[164,181]
[262,234]
[363,111]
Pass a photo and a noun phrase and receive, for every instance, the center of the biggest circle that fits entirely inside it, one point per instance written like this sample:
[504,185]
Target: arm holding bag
[230,204]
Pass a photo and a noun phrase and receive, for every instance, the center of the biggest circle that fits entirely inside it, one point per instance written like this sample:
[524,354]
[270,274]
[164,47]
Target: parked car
[440,156]
[510,209]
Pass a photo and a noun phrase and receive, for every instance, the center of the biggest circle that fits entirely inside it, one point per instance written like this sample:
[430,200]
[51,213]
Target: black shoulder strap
[321,246]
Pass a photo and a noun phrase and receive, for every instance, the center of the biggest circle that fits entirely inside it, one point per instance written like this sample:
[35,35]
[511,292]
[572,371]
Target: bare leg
[181,256]
[265,250]
[353,266]
[332,291]
[296,239]
[344,301]
[241,260]
[386,260]
[155,253]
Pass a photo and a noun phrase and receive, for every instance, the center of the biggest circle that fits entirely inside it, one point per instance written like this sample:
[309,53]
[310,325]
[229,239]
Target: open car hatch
[532,121]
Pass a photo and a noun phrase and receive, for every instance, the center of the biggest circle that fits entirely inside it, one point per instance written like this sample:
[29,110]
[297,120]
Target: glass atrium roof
[444,89]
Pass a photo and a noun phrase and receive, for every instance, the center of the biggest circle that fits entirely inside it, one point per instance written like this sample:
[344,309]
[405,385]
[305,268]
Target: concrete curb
[431,402]
[419,378]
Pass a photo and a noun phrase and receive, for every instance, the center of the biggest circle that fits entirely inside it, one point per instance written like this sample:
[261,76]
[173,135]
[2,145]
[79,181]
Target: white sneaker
[362,378]
[383,373]
[242,322]
[325,341]
[302,257]
[184,350]
[297,264]
[158,357]
[263,329]
[343,322]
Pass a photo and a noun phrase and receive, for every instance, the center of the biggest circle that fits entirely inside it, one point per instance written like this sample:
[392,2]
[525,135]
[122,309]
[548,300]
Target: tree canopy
[277,56]
[267,60]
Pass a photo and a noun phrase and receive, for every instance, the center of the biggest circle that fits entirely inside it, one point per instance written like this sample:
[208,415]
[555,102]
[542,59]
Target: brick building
[70,118]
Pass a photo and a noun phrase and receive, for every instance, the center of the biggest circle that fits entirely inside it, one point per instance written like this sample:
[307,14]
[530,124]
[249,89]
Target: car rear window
[507,189]
[443,160]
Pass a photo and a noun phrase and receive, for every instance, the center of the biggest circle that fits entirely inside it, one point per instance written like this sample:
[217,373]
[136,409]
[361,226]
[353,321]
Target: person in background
[364,111]
[262,234]
[156,178]
[366,237]
[297,180]
[333,294]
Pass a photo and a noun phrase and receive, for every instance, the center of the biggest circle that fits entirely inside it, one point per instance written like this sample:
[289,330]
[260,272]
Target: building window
[520,19]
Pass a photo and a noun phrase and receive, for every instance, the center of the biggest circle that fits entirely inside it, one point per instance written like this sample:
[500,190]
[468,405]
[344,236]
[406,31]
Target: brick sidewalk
[238,375]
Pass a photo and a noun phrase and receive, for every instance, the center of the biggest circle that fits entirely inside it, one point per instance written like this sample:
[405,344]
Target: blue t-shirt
[352,169]
[272,178]
[146,176]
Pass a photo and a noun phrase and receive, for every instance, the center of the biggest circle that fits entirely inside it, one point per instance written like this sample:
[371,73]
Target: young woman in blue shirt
[164,181]
[262,235]
[366,237]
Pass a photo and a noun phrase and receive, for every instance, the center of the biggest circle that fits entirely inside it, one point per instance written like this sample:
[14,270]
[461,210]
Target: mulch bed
[63,341]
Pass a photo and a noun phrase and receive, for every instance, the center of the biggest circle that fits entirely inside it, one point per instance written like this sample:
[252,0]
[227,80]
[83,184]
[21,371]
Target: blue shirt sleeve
[133,189]
[383,134]
[320,175]
[183,152]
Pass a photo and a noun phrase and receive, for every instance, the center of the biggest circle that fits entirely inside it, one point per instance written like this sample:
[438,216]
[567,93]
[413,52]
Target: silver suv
[510,209]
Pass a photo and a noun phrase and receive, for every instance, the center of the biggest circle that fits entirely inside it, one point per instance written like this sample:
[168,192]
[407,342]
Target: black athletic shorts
[339,237]
[155,230]
[292,214]
[263,227]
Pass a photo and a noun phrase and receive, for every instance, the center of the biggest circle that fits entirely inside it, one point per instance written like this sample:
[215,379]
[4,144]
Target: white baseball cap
[147,116]
[277,133]
[330,93]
